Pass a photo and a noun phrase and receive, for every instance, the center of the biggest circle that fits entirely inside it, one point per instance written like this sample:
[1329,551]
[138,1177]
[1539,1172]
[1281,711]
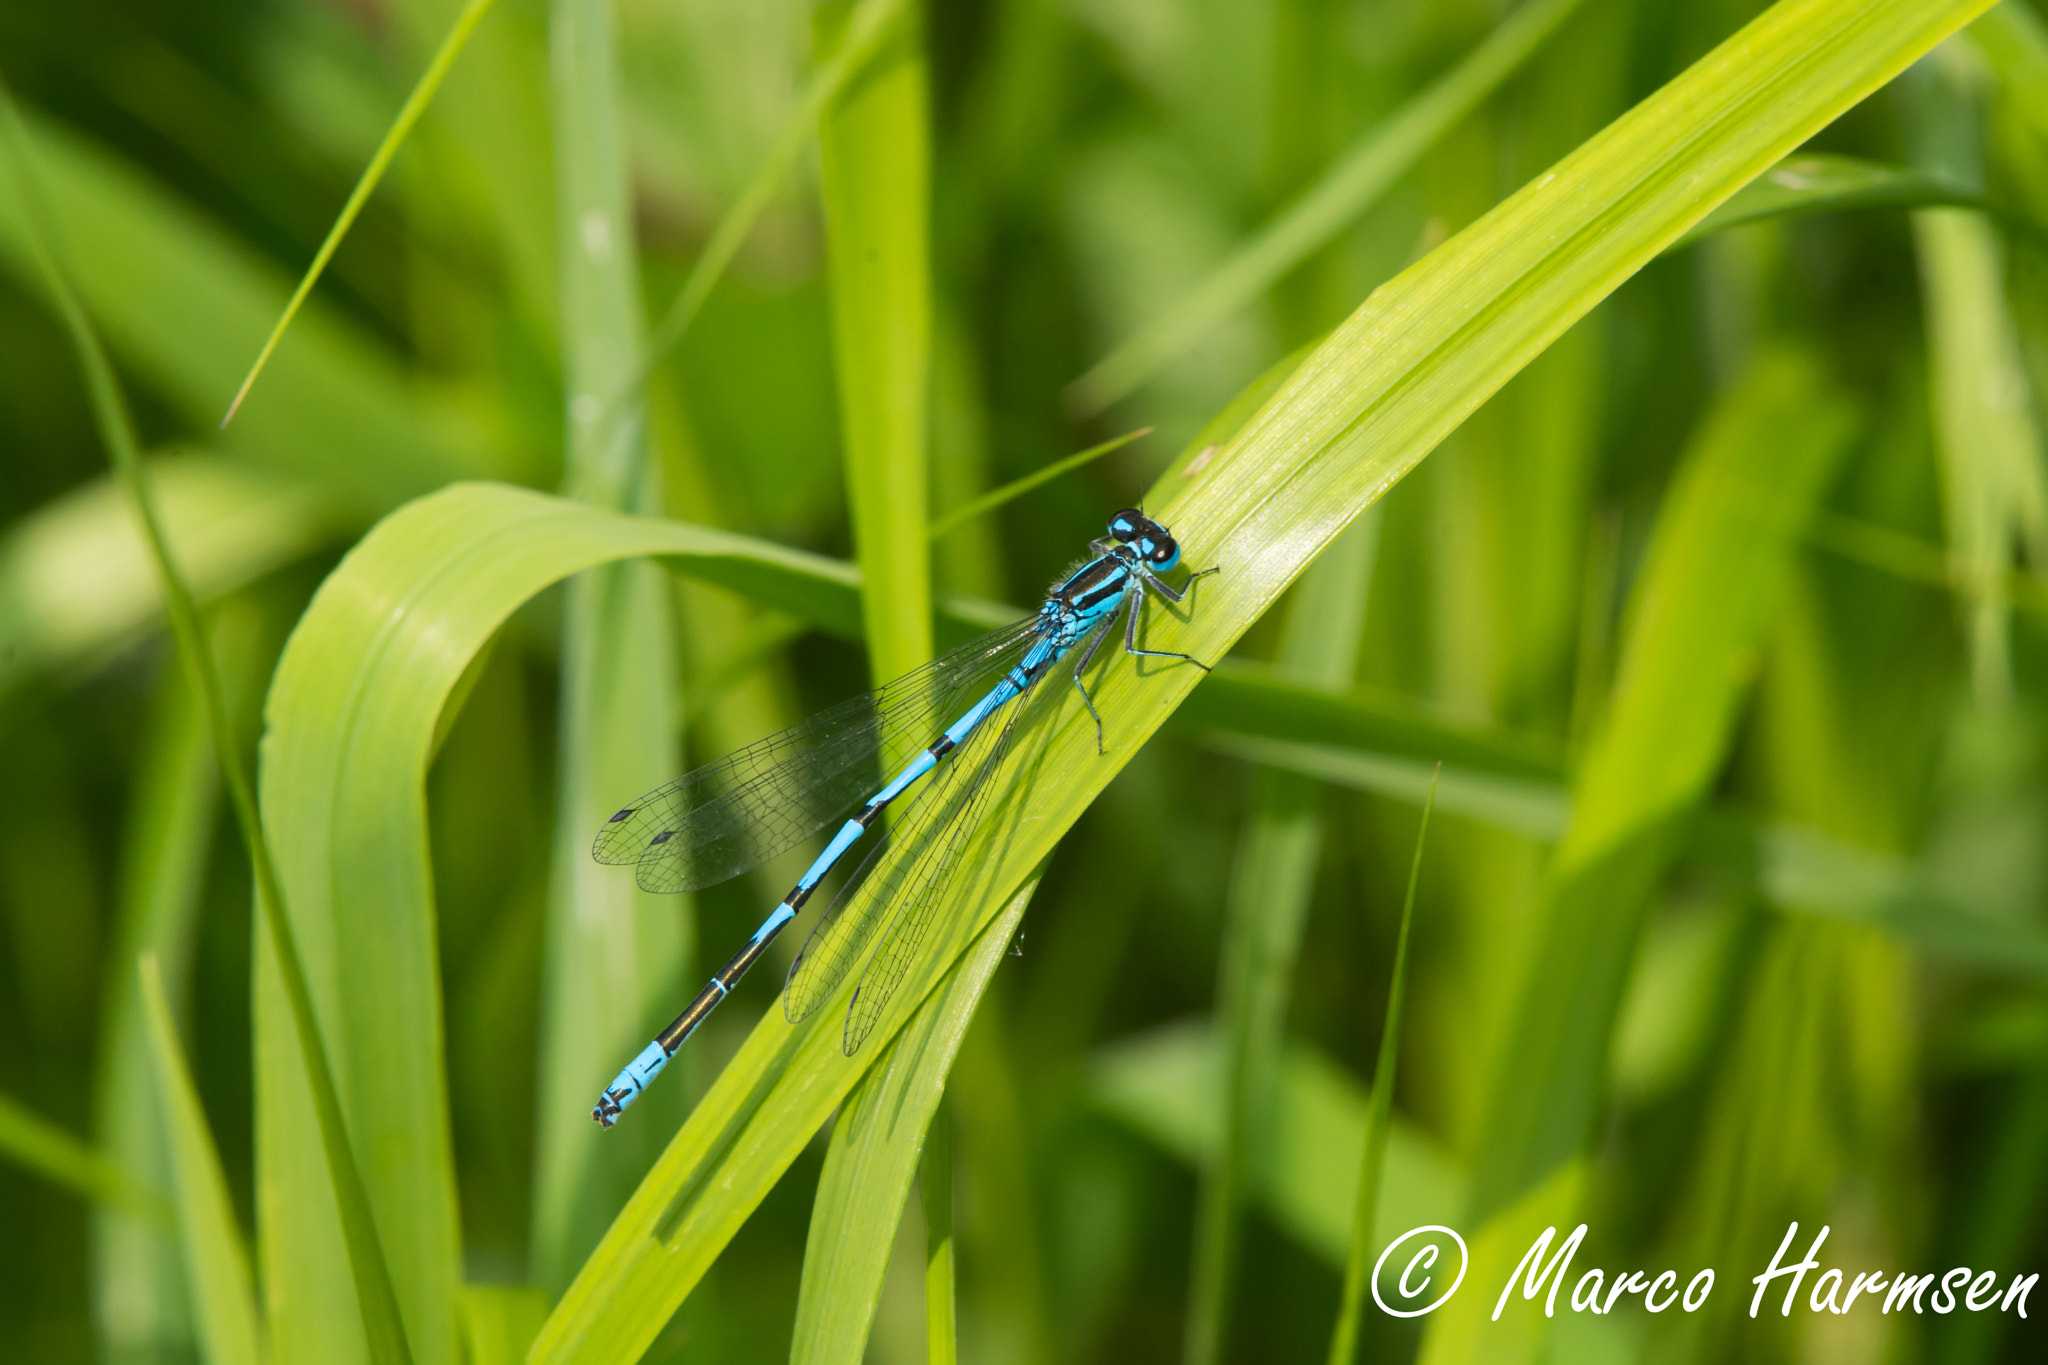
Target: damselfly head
[1153,542]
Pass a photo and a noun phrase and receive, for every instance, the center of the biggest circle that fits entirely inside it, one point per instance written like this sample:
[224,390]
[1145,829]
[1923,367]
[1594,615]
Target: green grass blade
[994,498]
[616,957]
[1267,905]
[1379,1118]
[1814,182]
[36,1144]
[1167,1086]
[401,128]
[166,841]
[224,1301]
[872,1159]
[1352,184]
[76,580]
[875,170]
[866,29]
[375,1293]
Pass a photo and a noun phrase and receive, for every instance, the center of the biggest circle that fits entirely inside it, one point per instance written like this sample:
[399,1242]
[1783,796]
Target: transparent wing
[726,817]
[892,907]
[843,933]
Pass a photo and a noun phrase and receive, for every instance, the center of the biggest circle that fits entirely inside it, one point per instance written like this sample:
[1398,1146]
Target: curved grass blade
[1352,184]
[1016,488]
[1814,182]
[1378,1121]
[375,1294]
[408,114]
[215,1259]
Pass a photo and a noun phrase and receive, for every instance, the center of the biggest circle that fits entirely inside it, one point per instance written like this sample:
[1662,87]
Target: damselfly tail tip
[607,1110]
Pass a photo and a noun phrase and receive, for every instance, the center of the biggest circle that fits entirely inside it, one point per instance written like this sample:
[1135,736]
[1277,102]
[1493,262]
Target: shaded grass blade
[401,127]
[1814,182]
[376,1296]
[224,1301]
[1379,1117]
[1352,184]
[935,1185]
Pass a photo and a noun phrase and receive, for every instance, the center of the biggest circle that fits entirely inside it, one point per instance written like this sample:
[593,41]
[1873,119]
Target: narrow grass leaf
[224,1302]
[35,1144]
[1016,488]
[876,1144]
[376,1297]
[1379,1119]
[1351,185]
[401,127]
[1535,810]
[500,1321]
[1815,182]
[875,174]
[166,841]
[2015,40]
[941,1278]
[866,29]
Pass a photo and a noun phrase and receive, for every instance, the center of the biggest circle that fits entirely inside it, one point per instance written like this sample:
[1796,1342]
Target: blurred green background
[1834,1011]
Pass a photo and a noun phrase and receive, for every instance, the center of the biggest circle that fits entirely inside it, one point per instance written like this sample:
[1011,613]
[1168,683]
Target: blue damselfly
[733,815]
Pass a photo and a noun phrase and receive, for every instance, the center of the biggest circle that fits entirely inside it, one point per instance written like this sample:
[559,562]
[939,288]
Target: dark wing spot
[625,814]
[663,837]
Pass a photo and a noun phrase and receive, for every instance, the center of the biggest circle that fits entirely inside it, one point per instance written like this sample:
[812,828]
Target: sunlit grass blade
[217,1263]
[994,498]
[1379,1117]
[874,1155]
[1355,181]
[875,174]
[376,1296]
[34,1143]
[401,127]
[935,1185]
[1265,910]
[866,28]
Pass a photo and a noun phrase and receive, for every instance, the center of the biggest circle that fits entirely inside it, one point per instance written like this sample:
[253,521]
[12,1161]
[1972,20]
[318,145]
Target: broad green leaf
[1353,183]
[186,307]
[875,176]
[1167,1085]
[75,576]
[224,1302]
[874,1153]
[616,957]
[1265,909]
[1418,357]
